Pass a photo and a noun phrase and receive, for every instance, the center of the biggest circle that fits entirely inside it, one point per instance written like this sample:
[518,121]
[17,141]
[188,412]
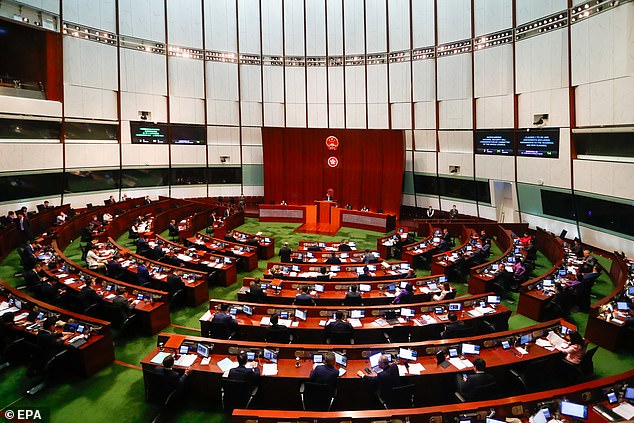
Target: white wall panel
[30,156]
[143,72]
[408,200]
[424,80]
[454,20]
[250,83]
[455,114]
[185,23]
[315,27]
[249,26]
[187,110]
[542,62]
[192,191]
[251,136]
[423,31]
[500,168]
[409,140]
[252,154]
[454,77]
[317,98]
[140,155]
[334,19]
[222,81]
[606,178]
[142,19]
[354,38]
[294,27]
[132,103]
[220,112]
[492,15]
[549,172]
[274,114]
[272,31]
[425,114]
[493,71]
[336,96]
[273,81]
[355,97]
[424,162]
[399,25]
[550,225]
[253,190]
[230,152]
[606,241]
[48,5]
[94,103]
[456,141]
[494,112]
[464,160]
[425,140]
[223,135]
[553,102]
[401,115]
[469,209]
[400,82]
[188,155]
[376,30]
[295,97]
[186,77]
[427,200]
[220,25]
[90,64]
[30,106]
[84,13]
[251,113]
[529,10]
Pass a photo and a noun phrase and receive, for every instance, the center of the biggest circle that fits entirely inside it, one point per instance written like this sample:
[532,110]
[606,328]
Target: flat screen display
[188,134]
[499,143]
[538,143]
[300,314]
[574,410]
[148,133]
[341,359]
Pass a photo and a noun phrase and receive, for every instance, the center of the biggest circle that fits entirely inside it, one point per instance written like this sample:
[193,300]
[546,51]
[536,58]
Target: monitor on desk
[202,350]
[436,240]
[493,299]
[404,266]
[319,288]
[390,288]
[612,397]
[357,314]
[622,306]
[321,244]
[469,248]
[407,312]
[295,269]
[80,328]
[407,354]
[284,314]
[270,355]
[525,339]
[344,255]
[630,291]
[548,283]
[371,268]
[267,240]
[301,314]
[335,268]
[352,244]
[184,349]
[439,310]
[572,409]
[70,327]
[263,286]
[563,272]
[341,359]
[510,259]
[470,349]
[629,393]
[403,284]
[310,255]
[455,306]
[248,310]
[318,358]
[442,279]
[365,287]
[227,260]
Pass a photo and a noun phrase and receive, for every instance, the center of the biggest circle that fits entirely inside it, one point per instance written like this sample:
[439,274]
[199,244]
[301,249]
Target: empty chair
[55,370]
[317,396]
[119,318]
[219,330]
[537,375]
[400,397]
[480,393]
[236,393]
[397,334]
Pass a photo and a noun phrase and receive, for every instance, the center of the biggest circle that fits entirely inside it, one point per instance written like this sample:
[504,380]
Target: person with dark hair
[224,318]
[285,253]
[577,248]
[574,349]
[333,259]
[453,213]
[366,275]
[454,328]
[87,295]
[24,226]
[242,373]
[588,262]
[34,279]
[323,274]
[304,298]
[256,293]
[405,296]
[338,325]
[175,282]
[468,384]
[444,291]
[411,273]
[386,380]
[142,275]
[172,229]
[120,301]
[344,246]
[275,332]
[326,373]
[353,297]
[173,379]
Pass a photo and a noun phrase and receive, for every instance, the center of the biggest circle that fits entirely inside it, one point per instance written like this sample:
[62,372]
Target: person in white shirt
[430,212]
[95,261]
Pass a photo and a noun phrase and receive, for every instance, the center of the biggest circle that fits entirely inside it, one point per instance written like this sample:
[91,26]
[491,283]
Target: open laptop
[375,359]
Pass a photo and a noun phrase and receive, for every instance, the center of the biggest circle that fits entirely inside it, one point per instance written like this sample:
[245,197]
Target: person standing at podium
[330,195]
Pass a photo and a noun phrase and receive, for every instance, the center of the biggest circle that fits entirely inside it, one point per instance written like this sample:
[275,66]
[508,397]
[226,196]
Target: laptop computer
[390,317]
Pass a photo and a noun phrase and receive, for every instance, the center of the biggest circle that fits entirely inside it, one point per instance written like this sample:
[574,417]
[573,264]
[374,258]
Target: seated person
[353,297]
[34,278]
[142,246]
[122,303]
[304,298]
[276,271]
[333,259]
[225,319]
[229,237]
[366,275]
[339,326]
[242,373]
[444,291]
[95,261]
[344,246]
[256,293]
[323,274]
[275,332]
[454,328]
[87,295]
[142,275]
[50,342]
[577,248]
[405,295]
[469,383]
[61,218]
[519,271]
[411,274]
[49,293]
[106,218]
[574,349]
[526,239]
[325,374]
[388,379]
[175,283]
[147,200]
[174,380]
[368,257]
[365,209]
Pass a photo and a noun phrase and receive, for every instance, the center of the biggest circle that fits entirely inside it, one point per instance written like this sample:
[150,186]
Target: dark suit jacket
[304,300]
[352,298]
[87,297]
[285,255]
[49,293]
[345,247]
[387,379]
[241,373]
[274,332]
[143,275]
[257,294]
[364,277]
[333,260]
[339,326]
[32,279]
[227,320]
[324,374]
[173,379]
[174,283]
[453,330]
[123,304]
[468,388]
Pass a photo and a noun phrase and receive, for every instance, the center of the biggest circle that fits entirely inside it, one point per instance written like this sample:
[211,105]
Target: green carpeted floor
[117,393]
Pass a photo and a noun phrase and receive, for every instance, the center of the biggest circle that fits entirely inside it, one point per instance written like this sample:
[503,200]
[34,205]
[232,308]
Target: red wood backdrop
[370,169]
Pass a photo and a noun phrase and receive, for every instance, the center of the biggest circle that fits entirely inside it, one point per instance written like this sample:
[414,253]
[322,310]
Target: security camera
[145,115]
[224,159]
[540,119]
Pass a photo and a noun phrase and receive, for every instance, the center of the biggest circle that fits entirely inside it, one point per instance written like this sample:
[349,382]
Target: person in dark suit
[329,196]
[304,298]
[24,226]
[339,326]
[275,332]
[87,295]
[344,246]
[285,253]
[256,293]
[142,275]
[229,237]
[326,373]
[173,379]
[353,297]
[366,275]
[33,278]
[124,305]
[114,268]
[172,228]
[49,342]
[333,259]
[224,318]
[446,236]
[142,246]
[453,213]
[577,248]
[175,282]
[49,293]
[454,328]
[411,273]
[588,262]
[468,384]
[323,274]
[242,373]
[387,379]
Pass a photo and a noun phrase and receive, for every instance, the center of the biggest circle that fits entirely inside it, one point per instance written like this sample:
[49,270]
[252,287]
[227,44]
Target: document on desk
[183,257]
[206,317]
[474,313]
[544,344]
[521,350]
[380,322]
[295,324]
[186,360]
[342,371]
[269,369]
[402,370]
[226,364]
[424,289]
[416,368]
[284,322]
[356,323]
[266,321]
[460,364]
[4,305]
[158,358]
[625,410]
[69,281]
[554,339]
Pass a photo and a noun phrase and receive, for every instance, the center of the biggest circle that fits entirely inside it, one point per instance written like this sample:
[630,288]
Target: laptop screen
[374,359]
[407,312]
[335,268]
[341,359]
[572,409]
[300,314]
[364,287]
[184,349]
[629,393]
[525,339]
[548,282]
[403,284]
[318,358]
[407,354]
[493,299]
[247,310]
[295,268]
[319,288]
[622,306]
[270,355]
[442,279]
[470,349]
[202,350]
[357,314]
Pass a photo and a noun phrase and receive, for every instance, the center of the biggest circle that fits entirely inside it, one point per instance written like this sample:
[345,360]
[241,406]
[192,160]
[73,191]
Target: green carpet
[119,389]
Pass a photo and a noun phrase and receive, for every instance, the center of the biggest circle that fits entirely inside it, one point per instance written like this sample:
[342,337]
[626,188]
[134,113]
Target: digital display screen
[407,354]
[300,314]
[270,355]
[188,134]
[455,306]
[148,133]
[357,314]
[574,410]
[499,143]
[341,359]
[470,349]
[202,350]
[538,143]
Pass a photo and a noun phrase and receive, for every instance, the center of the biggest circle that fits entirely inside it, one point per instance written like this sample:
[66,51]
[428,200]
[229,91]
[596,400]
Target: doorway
[504,200]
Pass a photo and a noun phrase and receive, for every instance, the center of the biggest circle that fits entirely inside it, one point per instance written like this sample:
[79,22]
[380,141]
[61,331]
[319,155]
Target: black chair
[400,397]
[236,393]
[279,337]
[157,391]
[537,375]
[126,323]
[220,331]
[317,396]
[463,332]
[577,373]
[480,393]
[451,295]
[177,299]
[55,370]
[17,351]
[352,301]
[398,334]
[340,337]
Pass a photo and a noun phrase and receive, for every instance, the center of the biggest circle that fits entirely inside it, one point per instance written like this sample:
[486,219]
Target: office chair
[55,370]
[157,391]
[279,337]
[236,393]
[400,397]
[340,338]
[317,396]
[577,373]
[451,295]
[177,299]
[352,301]
[119,318]
[397,334]
[537,375]
[463,332]
[480,393]
[93,310]
[17,351]
[220,331]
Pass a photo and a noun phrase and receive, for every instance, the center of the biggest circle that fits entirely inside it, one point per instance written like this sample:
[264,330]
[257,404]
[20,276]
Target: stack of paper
[460,364]
[402,370]
[554,339]
[416,368]
[284,322]
[544,344]
[269,369]
[186,360]
[158,358]
[266,320]
[356,323]
[625,410]
[226,364]
[521,350]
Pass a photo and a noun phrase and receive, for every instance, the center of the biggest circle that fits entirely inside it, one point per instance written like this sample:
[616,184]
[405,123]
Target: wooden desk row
[246,255]
[384,244]
[518,407]
[427,320]
[353,392]
[346,271]
[89,358]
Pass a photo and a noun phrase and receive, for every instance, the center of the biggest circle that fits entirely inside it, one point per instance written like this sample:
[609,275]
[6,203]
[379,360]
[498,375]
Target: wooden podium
[324,211]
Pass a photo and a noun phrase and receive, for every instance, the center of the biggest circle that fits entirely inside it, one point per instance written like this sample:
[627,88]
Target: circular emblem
[332,142]
[333,161]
